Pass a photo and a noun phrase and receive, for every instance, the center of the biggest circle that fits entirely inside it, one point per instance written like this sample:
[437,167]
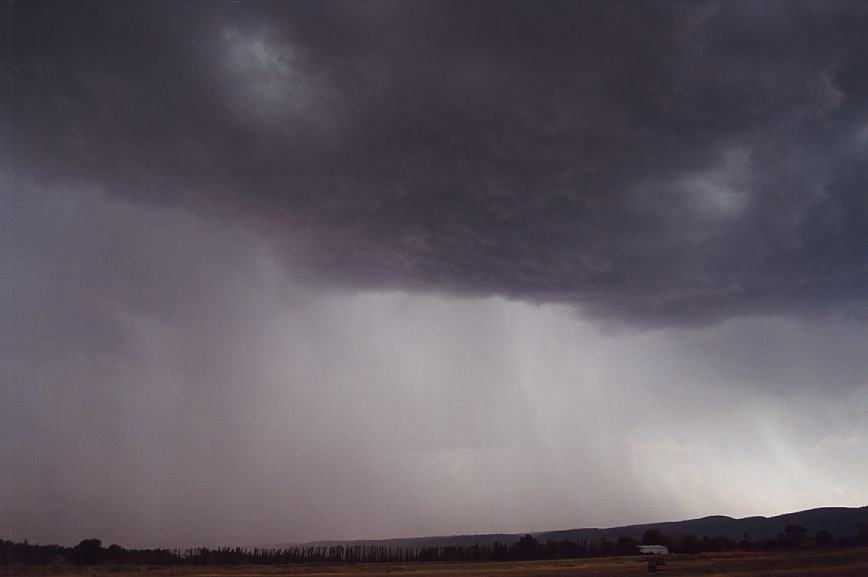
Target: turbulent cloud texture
[653,162]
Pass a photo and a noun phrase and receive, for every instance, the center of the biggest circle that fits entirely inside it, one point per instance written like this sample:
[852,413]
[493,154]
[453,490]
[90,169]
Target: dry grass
[836,563]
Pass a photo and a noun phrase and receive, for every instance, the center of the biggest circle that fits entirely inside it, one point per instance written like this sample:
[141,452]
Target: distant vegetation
[526,548]
[817,529]
[804,562]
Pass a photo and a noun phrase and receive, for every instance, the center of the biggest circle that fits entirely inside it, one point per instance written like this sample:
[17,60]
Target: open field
[835,563]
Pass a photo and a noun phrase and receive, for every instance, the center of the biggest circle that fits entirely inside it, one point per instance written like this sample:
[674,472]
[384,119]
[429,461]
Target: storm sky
[276,272]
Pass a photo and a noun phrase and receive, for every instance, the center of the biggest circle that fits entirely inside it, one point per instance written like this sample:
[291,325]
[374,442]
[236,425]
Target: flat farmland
[834,563]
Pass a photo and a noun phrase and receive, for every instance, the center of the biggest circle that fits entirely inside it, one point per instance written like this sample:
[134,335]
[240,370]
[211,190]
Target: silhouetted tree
[653,537]
[862,533]
[527,548]
[87,552]
[823,538]
[687,543]
[794,535]
[626,546]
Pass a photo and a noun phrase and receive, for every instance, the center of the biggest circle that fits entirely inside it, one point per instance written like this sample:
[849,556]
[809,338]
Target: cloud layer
[654,163]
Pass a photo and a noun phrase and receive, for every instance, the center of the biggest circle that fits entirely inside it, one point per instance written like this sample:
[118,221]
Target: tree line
[527,548]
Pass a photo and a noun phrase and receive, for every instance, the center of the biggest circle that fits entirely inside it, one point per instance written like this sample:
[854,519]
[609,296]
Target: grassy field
[818,563]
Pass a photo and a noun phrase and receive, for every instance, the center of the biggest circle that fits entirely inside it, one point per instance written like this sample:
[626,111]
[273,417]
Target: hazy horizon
[526,531]
[281,272]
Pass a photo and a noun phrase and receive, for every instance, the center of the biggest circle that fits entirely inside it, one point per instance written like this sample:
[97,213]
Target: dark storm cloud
[658,162]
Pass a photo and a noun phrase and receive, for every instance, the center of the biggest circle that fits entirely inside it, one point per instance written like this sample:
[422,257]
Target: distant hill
[839,521]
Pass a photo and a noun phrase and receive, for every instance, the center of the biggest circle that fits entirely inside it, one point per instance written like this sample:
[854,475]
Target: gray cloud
[658,163]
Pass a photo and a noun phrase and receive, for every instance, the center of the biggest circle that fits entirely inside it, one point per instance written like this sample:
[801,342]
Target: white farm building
[653,549]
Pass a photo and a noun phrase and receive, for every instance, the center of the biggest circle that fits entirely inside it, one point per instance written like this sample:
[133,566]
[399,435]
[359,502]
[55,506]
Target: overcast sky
[276,272]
